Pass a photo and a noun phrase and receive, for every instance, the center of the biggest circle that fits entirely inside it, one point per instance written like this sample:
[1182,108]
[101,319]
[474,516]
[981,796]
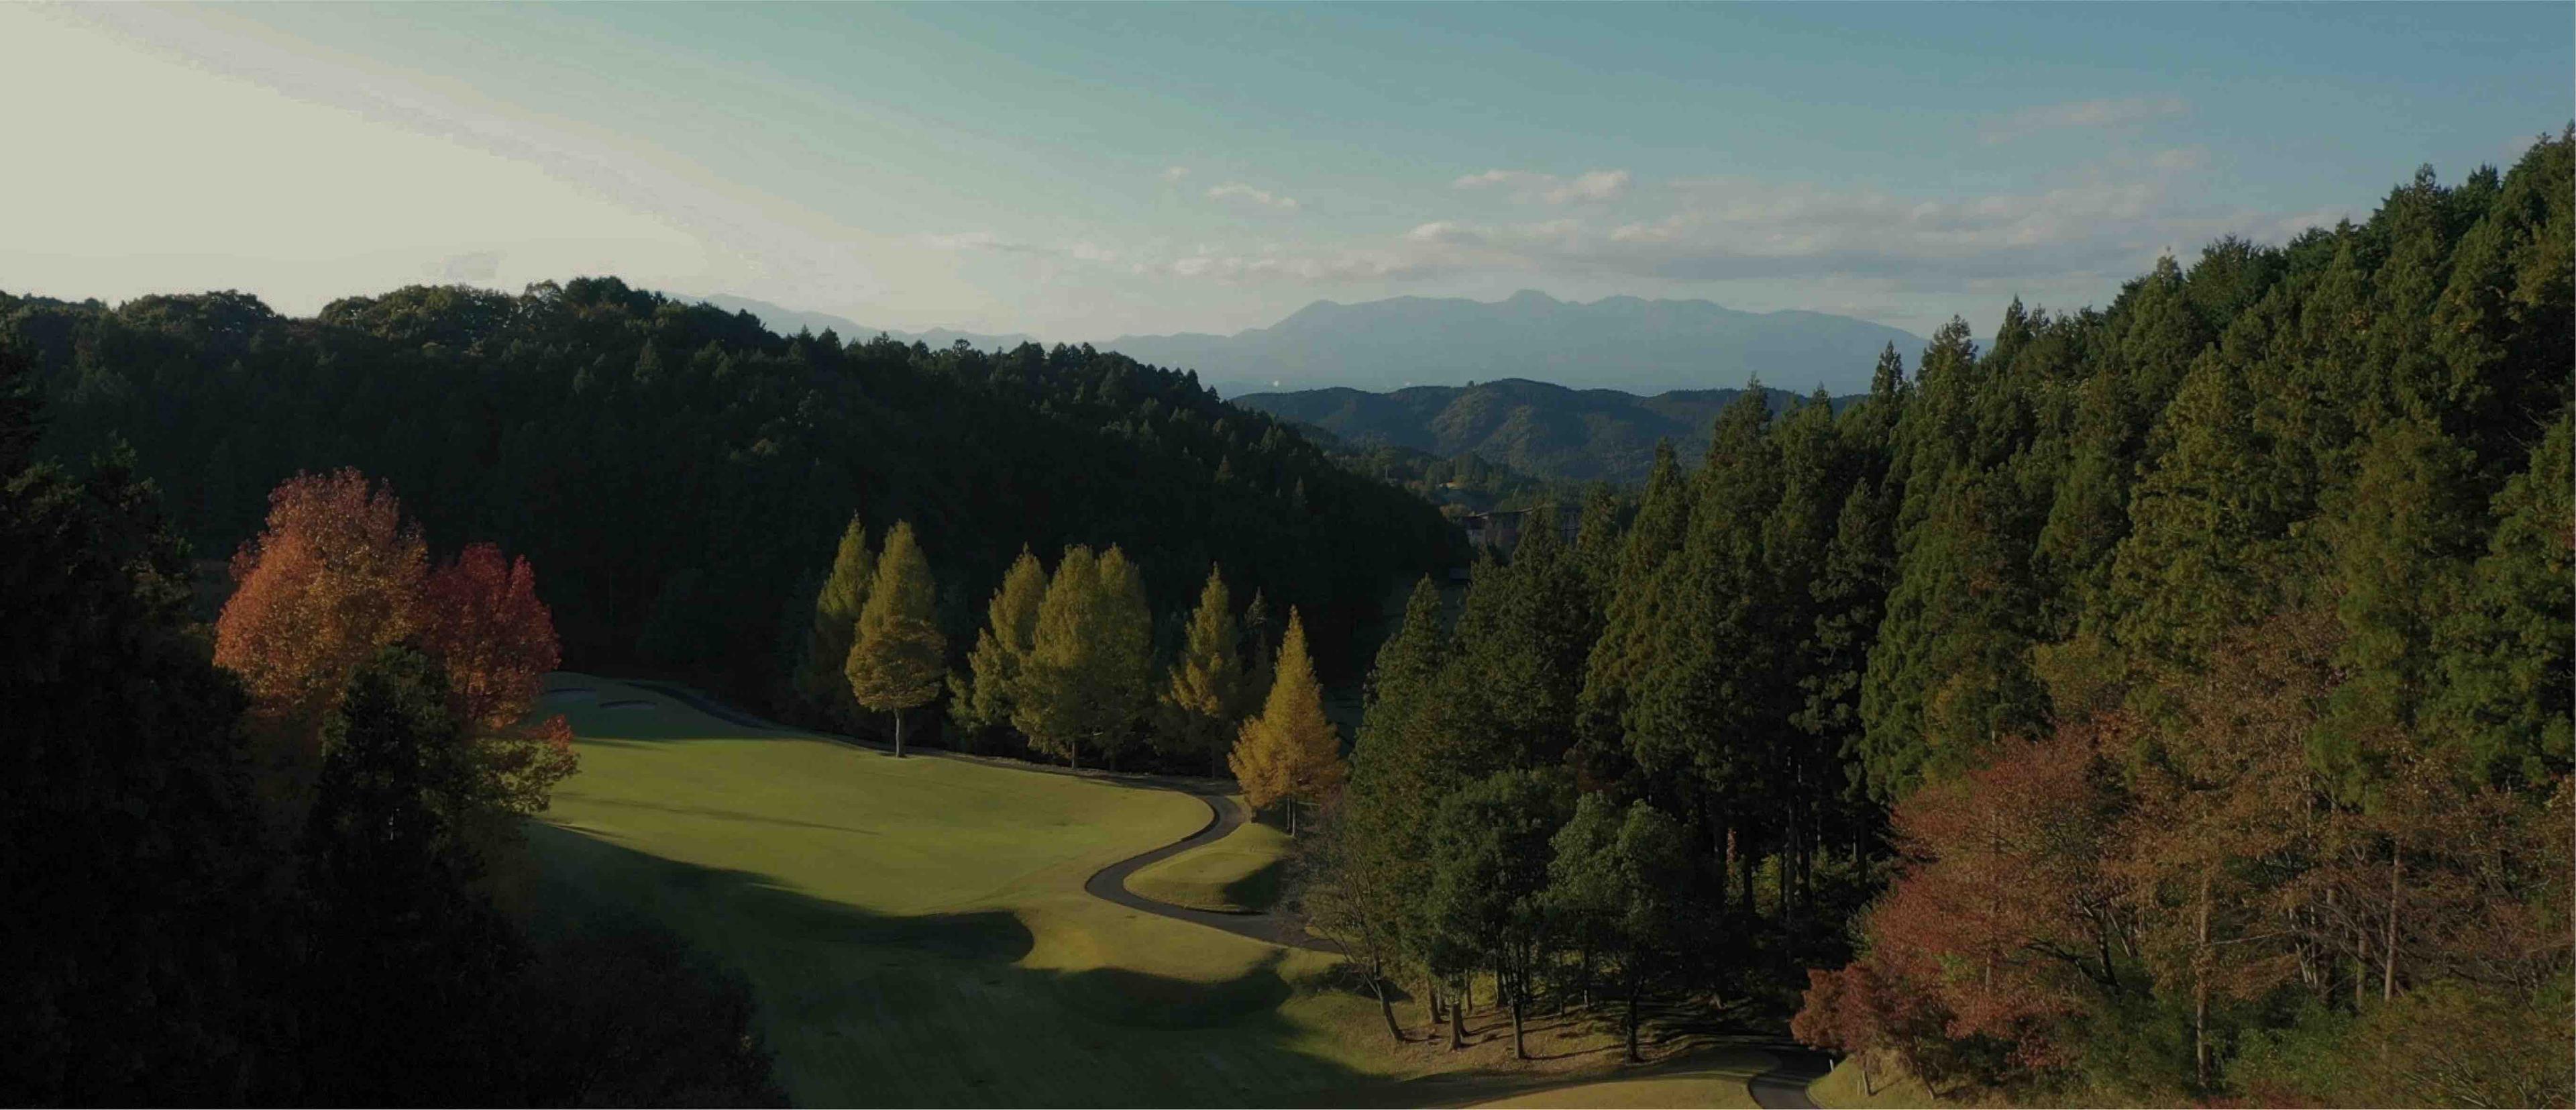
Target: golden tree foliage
[1290,753]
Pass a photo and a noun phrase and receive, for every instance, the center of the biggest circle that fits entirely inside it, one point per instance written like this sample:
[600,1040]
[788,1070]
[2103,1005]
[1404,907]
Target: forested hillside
[1545,430]
[2183,686]
[682,473]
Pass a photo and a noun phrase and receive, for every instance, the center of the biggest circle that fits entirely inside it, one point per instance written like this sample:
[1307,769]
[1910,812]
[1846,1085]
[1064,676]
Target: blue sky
[1086,171]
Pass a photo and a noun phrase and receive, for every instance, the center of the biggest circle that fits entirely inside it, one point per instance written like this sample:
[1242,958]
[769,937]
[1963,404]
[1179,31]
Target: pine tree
[1207,679]
[1623,648]
[2506,676]
[1051,708]
[1291,753]
[985,697]
[899,656]
[1089,672]
[1122,680]
[1260,657]
[819,674]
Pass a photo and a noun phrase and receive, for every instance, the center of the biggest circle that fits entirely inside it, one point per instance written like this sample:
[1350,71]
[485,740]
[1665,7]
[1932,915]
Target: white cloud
[1528,185]
[2084,114]
[1236,190]
[1595,185]
[1515,178]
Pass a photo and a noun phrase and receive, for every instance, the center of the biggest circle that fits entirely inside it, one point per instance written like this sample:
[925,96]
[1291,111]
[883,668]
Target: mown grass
[916,933]
[1237,874]
[1887,1084]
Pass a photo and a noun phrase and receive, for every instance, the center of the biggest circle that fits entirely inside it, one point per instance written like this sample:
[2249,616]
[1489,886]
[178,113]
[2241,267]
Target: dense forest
[265,862]
[1544,430]
[2165,702]
[681,472]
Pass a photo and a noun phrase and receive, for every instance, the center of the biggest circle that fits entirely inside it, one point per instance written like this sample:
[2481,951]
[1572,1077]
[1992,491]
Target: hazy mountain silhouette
[1625,343]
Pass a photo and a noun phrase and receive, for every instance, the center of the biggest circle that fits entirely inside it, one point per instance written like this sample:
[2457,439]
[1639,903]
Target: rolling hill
[1541,429]
[1624,343]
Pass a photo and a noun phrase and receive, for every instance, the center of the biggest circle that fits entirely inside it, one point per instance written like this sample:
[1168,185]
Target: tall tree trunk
[1292,818]
[1438,1014]
[1586,979]
[1745,853]
[2388,941]
[2200,993]
[898,734]
[1634,1057]
[1458,1020]
[1385,1005]
[1520,998]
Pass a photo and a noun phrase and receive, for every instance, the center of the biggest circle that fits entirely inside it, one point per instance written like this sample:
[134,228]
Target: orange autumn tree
[337,575]
[334,577]
[481,619]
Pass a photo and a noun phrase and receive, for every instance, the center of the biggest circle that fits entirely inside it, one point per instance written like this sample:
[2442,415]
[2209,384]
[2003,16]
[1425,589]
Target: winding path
[1225,815]
[1108,884]
[1784,1087]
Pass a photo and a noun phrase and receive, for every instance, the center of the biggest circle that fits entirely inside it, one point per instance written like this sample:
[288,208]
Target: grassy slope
[917,934]
[1239,874]
[1893,1087]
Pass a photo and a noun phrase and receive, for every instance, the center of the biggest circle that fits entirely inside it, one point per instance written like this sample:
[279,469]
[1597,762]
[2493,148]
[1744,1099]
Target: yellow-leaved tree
[1290,753]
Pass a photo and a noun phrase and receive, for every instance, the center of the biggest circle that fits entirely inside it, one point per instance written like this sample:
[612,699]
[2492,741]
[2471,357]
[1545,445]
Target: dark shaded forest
[2165,702]
[682,474]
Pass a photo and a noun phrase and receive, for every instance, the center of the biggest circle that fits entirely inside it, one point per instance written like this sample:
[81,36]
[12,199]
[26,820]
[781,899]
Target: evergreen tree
[1489,856]
[1052,709]
[1089,672]
[819,674]
[1206,680]
[2506,679]
[135,956]
[1290,753]
[986,696]
[1122,681]
[1260,656]
[1624,647]
[899,656]
[407,961]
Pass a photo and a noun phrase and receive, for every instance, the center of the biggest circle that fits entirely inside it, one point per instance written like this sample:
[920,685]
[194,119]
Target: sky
[1082,172]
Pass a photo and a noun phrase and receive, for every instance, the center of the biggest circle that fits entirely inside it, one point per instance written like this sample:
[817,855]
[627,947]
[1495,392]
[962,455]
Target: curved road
[1785,1087]
[1781,1088]
[1225,815]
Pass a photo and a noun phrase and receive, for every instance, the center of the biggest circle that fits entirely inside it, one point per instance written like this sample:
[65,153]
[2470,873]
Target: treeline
[1065,668]
[2195,672]
[676,467]
[258,862]
[1464,483]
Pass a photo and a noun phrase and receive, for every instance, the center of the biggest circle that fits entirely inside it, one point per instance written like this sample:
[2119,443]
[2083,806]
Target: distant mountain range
[788,321]
[1545,430]
[1615,343]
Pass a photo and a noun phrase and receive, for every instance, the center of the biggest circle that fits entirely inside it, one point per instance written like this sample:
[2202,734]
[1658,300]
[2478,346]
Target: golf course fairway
[915,930]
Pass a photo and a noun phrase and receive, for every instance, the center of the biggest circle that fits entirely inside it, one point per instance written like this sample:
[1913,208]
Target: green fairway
[916,930]
[1715,1080]
[1239,874]
[1888,1084]
[916,933]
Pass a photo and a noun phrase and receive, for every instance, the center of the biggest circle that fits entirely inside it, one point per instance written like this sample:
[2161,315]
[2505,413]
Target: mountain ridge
[1548,430]
[1633,344]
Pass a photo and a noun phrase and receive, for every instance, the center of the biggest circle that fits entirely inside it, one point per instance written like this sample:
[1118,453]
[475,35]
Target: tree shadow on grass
[865,1008]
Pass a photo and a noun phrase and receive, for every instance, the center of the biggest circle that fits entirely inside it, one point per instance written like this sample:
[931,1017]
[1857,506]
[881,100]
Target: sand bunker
[629,703]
